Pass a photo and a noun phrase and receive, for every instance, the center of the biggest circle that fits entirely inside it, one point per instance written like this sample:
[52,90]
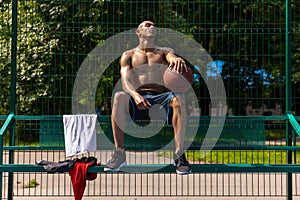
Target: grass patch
[32,184]
[272,134]
[236,156]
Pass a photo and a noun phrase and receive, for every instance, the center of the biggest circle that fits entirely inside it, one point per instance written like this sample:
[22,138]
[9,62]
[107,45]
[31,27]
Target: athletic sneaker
[117,161]
[182,165]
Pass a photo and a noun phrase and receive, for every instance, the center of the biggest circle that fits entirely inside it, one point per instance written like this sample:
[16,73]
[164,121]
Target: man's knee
[177,102]
[120,97]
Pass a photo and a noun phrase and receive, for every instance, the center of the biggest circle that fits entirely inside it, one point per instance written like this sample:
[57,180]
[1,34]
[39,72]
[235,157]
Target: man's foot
[182,165]
[117,161]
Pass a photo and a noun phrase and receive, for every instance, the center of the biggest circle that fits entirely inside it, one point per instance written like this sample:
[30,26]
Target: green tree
[54,37]
[78,27]
[34,47]
[248,36]
[5,44]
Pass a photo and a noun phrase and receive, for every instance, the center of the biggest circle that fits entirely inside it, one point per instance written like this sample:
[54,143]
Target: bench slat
[160,168]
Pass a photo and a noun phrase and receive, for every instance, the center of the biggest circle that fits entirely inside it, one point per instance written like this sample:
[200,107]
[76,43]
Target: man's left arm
[176,63]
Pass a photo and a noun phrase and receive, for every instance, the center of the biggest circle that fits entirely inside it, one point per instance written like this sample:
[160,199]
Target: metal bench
[238,133]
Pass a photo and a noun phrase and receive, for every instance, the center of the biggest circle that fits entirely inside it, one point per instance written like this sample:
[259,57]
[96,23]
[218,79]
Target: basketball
[178,82]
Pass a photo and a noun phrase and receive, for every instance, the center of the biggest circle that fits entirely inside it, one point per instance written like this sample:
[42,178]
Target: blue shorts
[161,103]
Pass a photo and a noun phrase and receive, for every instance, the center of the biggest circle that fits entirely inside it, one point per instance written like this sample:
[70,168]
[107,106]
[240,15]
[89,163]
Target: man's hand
[141,103]
[178,64]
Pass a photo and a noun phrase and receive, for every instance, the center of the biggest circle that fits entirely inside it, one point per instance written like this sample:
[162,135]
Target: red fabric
[78,176]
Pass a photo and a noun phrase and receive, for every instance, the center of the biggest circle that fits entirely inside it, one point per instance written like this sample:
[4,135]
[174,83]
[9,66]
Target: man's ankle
[120,149]
[178,152]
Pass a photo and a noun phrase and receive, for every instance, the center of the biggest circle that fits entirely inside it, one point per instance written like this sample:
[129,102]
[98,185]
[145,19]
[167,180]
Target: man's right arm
[127,86]
[126,73]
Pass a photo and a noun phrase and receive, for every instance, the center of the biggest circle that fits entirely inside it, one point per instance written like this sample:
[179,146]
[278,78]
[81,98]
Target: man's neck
[146,45]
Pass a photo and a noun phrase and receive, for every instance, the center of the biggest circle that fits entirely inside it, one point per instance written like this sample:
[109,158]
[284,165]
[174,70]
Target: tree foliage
[54,37]
[34,56]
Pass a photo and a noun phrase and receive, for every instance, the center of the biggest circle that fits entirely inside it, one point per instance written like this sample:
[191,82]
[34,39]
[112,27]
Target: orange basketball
[178,82]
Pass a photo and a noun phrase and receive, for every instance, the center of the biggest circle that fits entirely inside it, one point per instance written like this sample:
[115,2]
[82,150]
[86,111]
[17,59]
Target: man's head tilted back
[146,29]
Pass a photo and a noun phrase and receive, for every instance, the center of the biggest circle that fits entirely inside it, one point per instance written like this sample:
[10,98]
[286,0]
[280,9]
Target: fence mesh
[247,43]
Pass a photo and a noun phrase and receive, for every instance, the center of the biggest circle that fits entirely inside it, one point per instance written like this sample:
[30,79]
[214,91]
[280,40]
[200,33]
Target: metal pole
[288,94]
[13,56]
[11,161]
[1,163]
[13,90]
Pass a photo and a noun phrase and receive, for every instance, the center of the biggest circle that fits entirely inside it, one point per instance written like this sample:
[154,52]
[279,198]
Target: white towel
[80,134]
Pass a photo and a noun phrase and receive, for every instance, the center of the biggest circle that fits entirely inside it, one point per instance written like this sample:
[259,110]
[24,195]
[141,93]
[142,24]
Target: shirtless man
[144,91]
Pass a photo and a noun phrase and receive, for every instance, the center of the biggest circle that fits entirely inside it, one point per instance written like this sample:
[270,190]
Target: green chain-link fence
[255,46]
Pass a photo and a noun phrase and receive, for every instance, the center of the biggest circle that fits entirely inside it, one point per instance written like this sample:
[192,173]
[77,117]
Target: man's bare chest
[140,58]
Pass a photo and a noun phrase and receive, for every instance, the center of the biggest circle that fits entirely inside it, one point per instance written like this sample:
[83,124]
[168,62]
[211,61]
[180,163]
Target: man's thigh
[160,110]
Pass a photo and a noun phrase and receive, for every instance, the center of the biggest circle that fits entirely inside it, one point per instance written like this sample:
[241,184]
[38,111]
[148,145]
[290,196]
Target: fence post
[288,94]
[11,161]
[13,56]
[12,90]
[1,163]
